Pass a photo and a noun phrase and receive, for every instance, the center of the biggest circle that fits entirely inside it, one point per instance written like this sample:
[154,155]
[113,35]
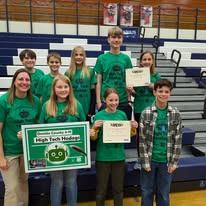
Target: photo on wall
[126,15]
[110,14]
[146,16]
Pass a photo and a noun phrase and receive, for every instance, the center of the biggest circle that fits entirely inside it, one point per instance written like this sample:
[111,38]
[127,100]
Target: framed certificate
[61,146]
[116,131]
[137,77]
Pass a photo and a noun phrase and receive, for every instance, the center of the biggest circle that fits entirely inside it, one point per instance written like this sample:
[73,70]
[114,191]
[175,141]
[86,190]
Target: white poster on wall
[126,15]
[110,14]
[146,16]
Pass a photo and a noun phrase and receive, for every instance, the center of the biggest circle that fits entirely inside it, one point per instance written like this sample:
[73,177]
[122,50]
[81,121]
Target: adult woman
[17,107]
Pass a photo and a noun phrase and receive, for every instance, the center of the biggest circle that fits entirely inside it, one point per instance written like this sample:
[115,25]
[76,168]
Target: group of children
[74,97]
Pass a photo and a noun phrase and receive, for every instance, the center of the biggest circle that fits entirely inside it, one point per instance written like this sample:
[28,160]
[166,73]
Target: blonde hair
[115,31]
[152,68]
[71,103]
[12,89]
[72,67]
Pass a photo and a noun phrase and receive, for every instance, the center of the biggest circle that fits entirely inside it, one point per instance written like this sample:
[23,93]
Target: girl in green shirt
[62,107]
[83,81]
[143,96]
[110,157]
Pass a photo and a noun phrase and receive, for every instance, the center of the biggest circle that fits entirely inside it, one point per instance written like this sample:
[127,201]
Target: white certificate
[116,131]
[137,77]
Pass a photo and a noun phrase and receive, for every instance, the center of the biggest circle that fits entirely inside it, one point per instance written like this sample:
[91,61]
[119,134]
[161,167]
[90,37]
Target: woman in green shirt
[17,107]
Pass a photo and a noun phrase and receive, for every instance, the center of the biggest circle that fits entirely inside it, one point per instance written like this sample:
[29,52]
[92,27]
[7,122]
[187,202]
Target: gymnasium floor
[194,198]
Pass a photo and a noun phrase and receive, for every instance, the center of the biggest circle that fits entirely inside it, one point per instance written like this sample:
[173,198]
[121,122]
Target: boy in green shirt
[45,84]
[160,141]
[110,69]
[28,59]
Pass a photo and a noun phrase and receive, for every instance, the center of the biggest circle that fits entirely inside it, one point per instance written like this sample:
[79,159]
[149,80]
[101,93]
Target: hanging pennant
[110,14]
[126,15]
[146,16]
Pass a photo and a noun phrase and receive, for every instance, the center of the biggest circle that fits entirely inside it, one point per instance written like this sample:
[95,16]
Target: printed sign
[61,146]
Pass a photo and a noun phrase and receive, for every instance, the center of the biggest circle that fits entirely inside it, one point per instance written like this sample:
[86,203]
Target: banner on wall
[110,14]
[126,15]
[146,16]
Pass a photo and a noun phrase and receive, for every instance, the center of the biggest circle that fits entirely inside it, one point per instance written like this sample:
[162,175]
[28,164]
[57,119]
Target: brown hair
[54,54]
[51,105]
[152,68]
[27,52]
[110,91]
[12,89]
[163,83]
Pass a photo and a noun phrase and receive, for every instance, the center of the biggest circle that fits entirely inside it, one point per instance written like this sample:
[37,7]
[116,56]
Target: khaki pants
[16,182]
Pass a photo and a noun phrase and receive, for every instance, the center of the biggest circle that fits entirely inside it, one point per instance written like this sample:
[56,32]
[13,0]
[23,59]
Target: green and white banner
[61,146]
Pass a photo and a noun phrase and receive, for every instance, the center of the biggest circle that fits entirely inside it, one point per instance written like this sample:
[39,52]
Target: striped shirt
[146,134]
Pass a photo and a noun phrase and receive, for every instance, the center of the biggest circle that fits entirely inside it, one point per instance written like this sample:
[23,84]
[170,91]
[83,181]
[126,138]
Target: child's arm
[98,90]
[134,126]
[177,144]
[95,129]
[143,143]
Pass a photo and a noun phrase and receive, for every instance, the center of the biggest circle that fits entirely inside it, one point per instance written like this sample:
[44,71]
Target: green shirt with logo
[81,87]
[109,151]
[143,96]
[21,112]
[35,79]
[159,152]
[61,116]
[44,87]
[112,67]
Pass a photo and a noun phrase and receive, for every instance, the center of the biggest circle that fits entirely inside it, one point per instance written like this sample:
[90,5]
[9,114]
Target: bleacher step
[199,149]
[188,106]
[188,91]
[191,115]
[197,125]
[186,98]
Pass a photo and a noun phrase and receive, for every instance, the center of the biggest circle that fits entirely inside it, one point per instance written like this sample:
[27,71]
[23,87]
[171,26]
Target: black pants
[137,118]
[103,171]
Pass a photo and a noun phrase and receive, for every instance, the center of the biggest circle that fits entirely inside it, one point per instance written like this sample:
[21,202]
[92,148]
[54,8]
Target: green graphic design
[59,146]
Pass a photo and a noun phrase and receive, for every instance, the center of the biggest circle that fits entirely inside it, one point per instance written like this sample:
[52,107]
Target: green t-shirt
[44,87]
[159,152]
[112,68]
[35,78]
[21,112]
[144,95]
[109,151]
[81,87]
[61,116]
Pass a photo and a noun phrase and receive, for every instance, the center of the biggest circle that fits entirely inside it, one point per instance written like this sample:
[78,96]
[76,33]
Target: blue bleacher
[198,56]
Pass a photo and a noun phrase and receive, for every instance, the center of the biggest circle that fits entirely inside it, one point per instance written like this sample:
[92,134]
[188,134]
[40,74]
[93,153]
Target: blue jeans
[59,180]
[156,182]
